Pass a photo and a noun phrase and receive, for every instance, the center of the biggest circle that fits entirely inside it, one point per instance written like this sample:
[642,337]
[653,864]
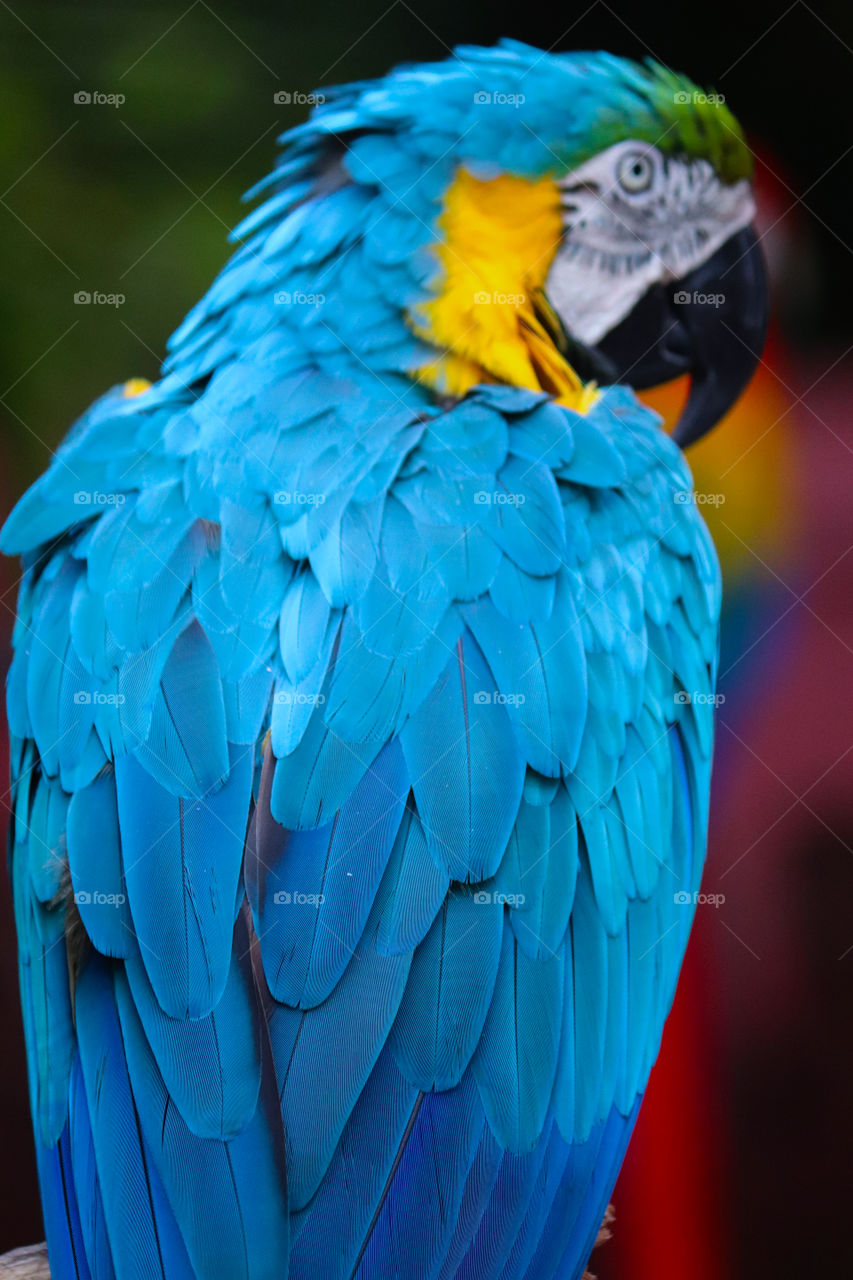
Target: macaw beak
[711,324]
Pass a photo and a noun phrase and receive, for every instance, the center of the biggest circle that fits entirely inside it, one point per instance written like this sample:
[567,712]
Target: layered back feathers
[367,738]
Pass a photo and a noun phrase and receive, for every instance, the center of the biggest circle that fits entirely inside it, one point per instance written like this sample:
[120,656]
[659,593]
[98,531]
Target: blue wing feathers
[309,1061]
[411,1233]
[466,768]
[503,1216]
[138,1219]
[237,1228]
[191,850]
[63,1230]
[312,891]
[87,1187]
[479,1186]
[219,1101]
[516,1059]
[414,889]
[336,1223]
[447,999]
[439,744]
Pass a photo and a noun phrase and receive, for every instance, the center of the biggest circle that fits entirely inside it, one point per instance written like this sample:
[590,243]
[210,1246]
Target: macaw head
[568,219]
[618,196]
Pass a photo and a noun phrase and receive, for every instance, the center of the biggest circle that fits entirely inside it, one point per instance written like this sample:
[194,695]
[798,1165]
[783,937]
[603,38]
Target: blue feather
[87,1187]
[541,671]
[94,861]
[411,1234]
[142,1235]
[513,1188]
[314,1060]
[479,1185]
[337,1220]
[447,998]
[65,1240]
[312,891]
[239,1227]
[312,783]
[465,767]
[211,1066]
[182,861]
[413,890]
[186,749]
[516,1059]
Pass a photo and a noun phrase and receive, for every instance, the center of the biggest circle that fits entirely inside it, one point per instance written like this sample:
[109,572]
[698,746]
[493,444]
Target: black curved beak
[711,324]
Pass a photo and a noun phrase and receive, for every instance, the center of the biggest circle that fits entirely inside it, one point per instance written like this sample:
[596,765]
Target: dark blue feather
[239,1226]
[93,1221]
[336,1222]
[411,1234]
[315,1059]
[142,1235]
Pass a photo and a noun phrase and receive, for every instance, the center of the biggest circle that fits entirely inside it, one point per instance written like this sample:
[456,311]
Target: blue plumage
[350,812]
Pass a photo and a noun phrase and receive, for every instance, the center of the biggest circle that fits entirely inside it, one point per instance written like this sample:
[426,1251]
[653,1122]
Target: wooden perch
[25,1264]
[604,1234]
[31,1263]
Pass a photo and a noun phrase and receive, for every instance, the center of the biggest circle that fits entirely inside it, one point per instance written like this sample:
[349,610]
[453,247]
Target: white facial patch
[633,218]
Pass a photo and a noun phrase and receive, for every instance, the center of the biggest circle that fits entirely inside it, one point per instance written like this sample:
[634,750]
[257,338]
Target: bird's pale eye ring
[635,172]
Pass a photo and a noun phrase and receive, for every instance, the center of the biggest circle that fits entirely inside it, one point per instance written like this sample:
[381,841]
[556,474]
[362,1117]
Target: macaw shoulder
[313,518]
[281,466]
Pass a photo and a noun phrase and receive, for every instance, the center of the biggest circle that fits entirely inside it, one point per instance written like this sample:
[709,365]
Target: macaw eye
[635,172]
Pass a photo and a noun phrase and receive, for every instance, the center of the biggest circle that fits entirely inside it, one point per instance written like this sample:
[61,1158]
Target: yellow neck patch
[500,237]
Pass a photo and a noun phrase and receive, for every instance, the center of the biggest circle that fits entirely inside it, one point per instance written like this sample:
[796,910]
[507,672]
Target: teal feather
[516,1059]
[465,767]
[447,999]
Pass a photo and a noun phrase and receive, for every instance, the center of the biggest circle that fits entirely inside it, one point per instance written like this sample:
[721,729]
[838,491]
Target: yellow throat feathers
[490,318]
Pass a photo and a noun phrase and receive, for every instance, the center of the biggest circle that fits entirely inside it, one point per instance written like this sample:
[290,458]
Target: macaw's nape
[361,703]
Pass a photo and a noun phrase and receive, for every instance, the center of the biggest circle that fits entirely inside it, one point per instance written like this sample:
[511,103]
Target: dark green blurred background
[137,200]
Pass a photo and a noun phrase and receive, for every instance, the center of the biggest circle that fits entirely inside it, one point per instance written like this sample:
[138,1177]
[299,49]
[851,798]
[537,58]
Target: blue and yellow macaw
[362,695]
